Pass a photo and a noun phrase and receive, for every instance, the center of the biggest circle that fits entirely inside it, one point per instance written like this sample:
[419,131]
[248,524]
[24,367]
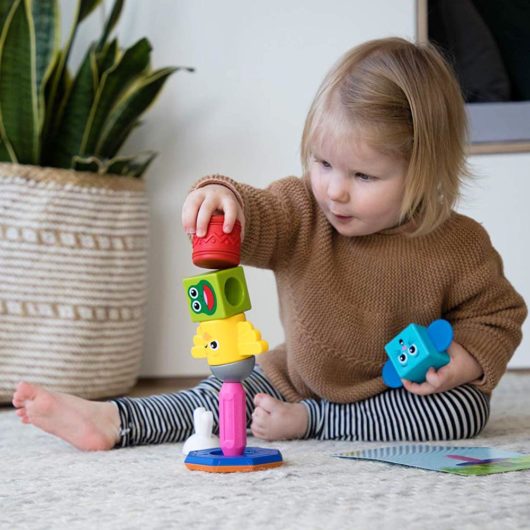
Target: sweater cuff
[314,419]
[220,180]
[487,350]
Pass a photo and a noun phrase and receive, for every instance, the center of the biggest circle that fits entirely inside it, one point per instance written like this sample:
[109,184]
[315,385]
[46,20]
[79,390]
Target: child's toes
[25,391]
[22,414]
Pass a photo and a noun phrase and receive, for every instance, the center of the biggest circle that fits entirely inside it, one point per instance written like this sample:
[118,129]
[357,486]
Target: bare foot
[87,425]
[276,420]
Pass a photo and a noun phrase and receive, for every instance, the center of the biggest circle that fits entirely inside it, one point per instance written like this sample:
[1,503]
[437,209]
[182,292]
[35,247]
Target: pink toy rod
[232,419]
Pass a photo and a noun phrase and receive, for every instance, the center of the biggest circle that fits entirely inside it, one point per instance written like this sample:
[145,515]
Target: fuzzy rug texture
[46,484]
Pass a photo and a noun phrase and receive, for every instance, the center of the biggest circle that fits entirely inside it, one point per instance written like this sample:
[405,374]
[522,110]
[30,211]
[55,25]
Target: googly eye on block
[416,349]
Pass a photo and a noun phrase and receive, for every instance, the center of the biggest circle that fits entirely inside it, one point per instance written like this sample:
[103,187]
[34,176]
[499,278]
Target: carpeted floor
[46,484]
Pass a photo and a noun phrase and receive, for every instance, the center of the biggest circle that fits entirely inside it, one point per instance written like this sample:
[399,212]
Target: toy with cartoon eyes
[202,298]
[218,300]
[416,349]
[227,340]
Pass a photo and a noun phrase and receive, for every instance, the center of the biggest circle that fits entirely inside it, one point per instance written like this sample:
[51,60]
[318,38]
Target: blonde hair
[407,103]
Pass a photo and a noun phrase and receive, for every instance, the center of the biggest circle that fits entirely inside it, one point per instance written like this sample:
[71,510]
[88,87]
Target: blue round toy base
[252,459]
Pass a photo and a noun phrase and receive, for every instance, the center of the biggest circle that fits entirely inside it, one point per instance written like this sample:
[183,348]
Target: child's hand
[462,369]
[202,203]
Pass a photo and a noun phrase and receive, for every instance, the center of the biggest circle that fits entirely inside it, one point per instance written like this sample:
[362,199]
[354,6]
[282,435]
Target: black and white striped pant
[393,415]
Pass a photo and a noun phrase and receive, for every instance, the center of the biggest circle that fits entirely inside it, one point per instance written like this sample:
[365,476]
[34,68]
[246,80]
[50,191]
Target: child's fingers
[435,381]
[201,204]
[420,389]
[433,378]
[207,209]
[230,208]
[190,209]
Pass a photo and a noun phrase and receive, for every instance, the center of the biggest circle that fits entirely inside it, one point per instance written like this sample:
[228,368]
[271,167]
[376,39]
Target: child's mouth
[343,218]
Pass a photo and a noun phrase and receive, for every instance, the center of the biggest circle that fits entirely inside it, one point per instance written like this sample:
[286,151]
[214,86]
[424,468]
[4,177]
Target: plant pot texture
[73,250]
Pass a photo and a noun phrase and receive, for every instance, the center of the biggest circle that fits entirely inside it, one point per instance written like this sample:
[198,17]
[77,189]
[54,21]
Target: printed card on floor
[447,459]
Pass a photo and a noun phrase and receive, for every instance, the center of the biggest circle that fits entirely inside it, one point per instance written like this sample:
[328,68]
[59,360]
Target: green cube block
[216,295]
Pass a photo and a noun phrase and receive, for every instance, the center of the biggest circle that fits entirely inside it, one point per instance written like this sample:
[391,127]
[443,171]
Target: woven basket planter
[73,249]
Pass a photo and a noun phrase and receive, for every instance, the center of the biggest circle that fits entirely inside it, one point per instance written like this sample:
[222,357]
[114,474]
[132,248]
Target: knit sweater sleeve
[273,217]
[486,312]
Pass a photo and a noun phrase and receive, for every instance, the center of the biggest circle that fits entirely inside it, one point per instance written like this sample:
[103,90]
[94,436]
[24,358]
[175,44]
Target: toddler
[363,244]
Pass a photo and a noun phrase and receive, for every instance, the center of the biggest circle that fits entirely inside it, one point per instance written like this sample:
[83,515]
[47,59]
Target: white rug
[44,483]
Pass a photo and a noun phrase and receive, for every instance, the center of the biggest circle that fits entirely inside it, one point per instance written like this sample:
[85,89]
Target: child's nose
[338,189]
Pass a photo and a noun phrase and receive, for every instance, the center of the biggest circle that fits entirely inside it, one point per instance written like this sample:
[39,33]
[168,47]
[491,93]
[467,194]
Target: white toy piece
[202,438]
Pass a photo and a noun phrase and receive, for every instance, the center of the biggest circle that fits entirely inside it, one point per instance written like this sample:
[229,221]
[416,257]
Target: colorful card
[447,459]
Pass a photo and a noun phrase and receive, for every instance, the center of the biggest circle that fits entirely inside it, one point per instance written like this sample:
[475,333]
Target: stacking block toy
[217,295]
[217,250]
[232,419]
[416,349]
[202,438]
[217,300]
[227,341]
[253,459]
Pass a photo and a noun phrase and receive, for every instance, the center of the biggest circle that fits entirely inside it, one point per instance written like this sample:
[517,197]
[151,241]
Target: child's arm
[277,222]
[486,313]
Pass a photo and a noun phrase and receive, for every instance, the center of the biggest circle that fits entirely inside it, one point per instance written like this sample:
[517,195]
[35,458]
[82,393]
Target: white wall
[258,66]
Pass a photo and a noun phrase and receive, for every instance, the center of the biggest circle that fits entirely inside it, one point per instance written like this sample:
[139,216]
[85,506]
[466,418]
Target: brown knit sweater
[342,299]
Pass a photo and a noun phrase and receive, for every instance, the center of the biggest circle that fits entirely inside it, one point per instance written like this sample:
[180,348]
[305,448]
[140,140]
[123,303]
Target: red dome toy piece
[217,250]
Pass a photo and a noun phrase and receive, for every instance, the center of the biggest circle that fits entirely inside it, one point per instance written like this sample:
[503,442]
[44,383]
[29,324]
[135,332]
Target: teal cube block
[217,294]
[416,349]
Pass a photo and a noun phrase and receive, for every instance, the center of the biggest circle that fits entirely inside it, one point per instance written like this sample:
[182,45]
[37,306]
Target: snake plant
[50,117]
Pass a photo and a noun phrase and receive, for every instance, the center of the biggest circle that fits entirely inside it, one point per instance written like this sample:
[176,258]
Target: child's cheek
[316,185]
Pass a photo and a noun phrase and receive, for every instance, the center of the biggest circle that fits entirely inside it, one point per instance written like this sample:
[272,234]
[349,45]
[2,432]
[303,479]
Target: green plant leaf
[113,83]
[47,38]
[111,148]
[59,78]
[53,105]
[126,112]
[84,8]
[77,107]
[131,166]
[107,57]
[89,163]
[8,154]
[18,94]
[4,153]
[5,6]
[111,22]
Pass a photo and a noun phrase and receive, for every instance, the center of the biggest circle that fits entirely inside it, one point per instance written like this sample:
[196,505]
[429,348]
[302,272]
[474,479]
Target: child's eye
[364,177]
[325,164]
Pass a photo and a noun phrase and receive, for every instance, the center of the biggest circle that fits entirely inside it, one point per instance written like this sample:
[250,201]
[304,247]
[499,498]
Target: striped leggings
[390,416]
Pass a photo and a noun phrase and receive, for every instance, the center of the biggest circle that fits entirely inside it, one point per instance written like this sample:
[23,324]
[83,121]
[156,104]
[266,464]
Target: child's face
[359,189]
